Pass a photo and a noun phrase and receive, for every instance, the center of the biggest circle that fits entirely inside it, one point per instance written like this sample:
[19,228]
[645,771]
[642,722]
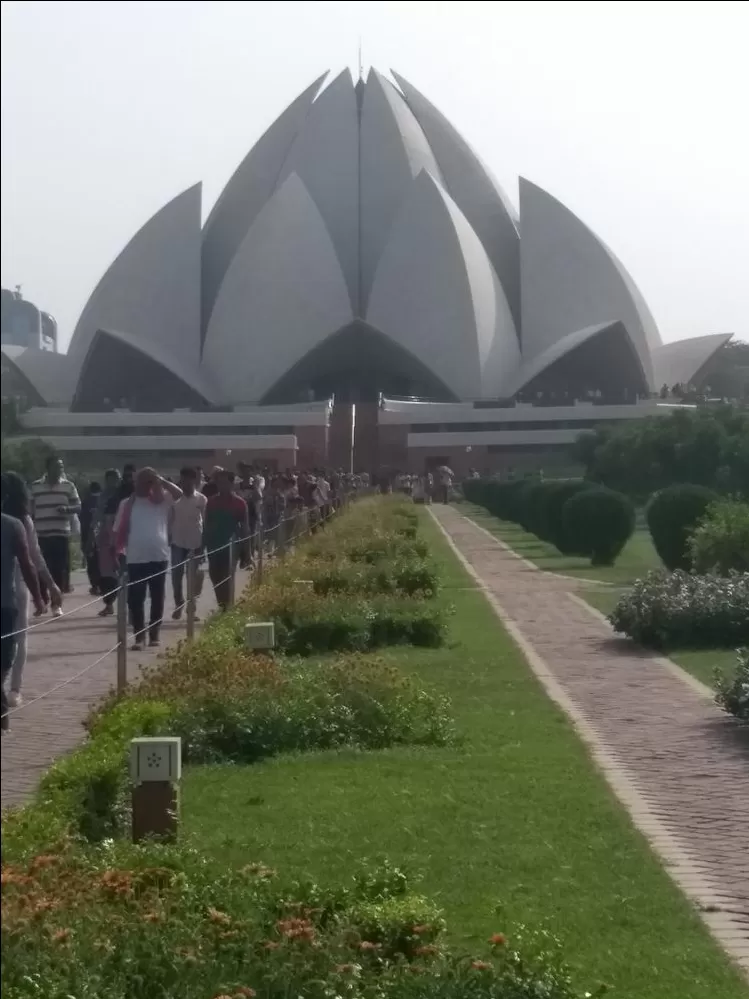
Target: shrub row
[577,517]
[366,584]
[229,704]
[680,610]
[158,921]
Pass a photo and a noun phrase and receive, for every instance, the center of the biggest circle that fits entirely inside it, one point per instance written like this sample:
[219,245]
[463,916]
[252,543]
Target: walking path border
[724,915]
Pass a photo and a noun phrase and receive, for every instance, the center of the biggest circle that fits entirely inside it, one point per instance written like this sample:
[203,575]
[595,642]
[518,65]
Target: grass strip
[516,818]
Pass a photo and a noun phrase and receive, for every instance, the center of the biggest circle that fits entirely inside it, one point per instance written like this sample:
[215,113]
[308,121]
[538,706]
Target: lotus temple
[363,293]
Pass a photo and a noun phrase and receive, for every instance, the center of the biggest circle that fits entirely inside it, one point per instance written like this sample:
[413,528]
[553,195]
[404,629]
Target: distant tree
[706,446]
[27,457]
[726,375]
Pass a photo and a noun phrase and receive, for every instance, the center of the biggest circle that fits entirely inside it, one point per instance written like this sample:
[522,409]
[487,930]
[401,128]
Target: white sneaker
[14,699]
[57,612]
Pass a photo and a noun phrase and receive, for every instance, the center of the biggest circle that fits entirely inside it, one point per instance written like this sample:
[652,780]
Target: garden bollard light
[122,633]
[155,771]
[260,636]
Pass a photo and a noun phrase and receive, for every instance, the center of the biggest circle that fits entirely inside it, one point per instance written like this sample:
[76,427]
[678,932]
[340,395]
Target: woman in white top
[18,504]
[142,535]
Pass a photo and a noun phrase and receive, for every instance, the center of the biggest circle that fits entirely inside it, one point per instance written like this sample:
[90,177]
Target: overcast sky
[633,114]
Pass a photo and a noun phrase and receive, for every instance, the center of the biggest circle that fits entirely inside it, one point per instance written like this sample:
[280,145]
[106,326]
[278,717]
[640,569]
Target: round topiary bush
[556,497]
[598,523]
[529,499]
[672,515]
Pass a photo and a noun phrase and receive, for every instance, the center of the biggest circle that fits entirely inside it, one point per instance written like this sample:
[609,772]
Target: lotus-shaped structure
[360,246]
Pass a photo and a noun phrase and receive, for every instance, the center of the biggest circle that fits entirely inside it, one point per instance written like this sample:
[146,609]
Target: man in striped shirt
[55,501]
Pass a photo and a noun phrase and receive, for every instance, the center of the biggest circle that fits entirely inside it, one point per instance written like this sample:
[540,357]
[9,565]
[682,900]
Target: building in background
[362,273]
[25,325]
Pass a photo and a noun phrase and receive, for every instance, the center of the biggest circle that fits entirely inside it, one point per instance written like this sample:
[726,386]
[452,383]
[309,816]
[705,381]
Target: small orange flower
[245,992]
[497,939]
[427,950]
[45,860]
[216,916]
[62,936]
[369,945]
[421,929]
[481,965]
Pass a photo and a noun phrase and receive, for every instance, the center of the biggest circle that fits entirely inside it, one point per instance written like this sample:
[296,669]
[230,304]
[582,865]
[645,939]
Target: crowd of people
[140,528]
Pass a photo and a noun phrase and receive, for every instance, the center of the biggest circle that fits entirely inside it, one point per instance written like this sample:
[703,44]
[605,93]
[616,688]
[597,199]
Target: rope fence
[303,523]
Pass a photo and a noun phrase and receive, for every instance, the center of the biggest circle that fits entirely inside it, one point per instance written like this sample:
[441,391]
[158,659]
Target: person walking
[17,503]
[226,520]
[55,502]
[14,552]
[103,533]
[142,535]
[187,533]
[89,505]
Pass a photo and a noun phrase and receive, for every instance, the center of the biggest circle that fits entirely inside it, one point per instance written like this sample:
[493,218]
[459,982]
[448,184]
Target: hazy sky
[633,114]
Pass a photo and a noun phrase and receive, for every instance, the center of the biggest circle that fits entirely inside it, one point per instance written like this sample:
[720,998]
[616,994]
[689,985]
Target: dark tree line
[706,446]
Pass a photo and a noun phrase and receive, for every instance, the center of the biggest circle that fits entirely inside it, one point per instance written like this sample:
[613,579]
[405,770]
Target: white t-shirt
[188,514]
[148,537]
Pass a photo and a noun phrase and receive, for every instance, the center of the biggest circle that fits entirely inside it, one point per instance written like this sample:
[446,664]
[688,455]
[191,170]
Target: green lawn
[637,559]
[514,816]
[700,663]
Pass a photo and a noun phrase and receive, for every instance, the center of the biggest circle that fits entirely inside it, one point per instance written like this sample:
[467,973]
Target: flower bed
[227,703]
[365,584]
[679,610]
[156,922]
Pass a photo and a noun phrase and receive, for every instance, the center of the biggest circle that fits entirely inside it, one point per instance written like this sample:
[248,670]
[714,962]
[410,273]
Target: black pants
[7,654]
[138,574]
[91,556]
[56,551]
[221,570]
[108,587]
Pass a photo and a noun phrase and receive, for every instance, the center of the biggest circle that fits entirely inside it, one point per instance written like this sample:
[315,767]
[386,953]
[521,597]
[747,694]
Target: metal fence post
[192,566]
[122,633]
[231,572]
[260,550]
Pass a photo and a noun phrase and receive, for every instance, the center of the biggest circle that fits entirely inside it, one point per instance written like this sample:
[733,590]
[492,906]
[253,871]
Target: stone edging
[725,929]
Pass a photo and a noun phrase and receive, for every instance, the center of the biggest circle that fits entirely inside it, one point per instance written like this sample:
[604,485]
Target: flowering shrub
[155,921]
[682,610]
[721,541]
[733,693]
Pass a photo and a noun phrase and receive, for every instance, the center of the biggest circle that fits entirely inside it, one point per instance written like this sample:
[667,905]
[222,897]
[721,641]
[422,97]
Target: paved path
[677,762]
[58,650]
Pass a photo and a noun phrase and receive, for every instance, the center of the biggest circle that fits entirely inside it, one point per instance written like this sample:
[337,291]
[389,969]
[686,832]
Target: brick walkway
[59,649]
[676,761]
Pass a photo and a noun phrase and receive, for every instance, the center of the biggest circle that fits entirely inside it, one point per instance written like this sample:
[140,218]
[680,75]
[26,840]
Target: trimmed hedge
[596,528]
[599,522]
[672,515]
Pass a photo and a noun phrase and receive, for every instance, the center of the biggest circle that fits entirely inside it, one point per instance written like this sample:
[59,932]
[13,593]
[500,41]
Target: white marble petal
[283,294]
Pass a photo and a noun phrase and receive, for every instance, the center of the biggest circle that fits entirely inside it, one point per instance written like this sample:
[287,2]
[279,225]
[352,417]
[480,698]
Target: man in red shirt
[225,520]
